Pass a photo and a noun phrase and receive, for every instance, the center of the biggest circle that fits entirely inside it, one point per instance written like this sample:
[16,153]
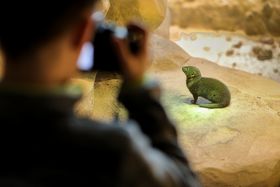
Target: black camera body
[105,55]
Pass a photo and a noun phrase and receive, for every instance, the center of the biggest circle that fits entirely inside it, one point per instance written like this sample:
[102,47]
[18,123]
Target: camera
[101,54]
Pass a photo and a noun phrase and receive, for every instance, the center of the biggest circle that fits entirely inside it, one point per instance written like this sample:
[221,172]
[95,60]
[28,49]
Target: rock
[238,142]
[121,12]
[254,24]
[267,10]
[149,12]
[230,52]
[271,17]
[99,99]
[166,55]
[262,54]
[106,88]
[106,107]
[202,14]
[255,17]
[153,13]
[272,24]
[164,28]
[103,6]
[238,45]
[85,107]
[267,41]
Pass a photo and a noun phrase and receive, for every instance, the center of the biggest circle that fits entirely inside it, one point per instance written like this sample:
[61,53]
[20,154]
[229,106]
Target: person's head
[41,40]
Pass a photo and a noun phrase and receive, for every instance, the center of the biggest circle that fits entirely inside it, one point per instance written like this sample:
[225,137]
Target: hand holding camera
[116,49]
[134,59]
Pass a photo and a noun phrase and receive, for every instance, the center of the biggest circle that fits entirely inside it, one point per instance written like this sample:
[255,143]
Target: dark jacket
[44,144]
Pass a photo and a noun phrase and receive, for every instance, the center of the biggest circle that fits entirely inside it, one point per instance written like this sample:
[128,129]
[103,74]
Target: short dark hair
[26,24]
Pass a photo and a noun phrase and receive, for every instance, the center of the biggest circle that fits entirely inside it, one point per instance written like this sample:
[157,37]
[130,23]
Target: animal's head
[191,72]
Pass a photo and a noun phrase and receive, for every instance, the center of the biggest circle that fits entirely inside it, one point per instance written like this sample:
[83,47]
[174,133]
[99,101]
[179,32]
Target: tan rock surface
[99,96]
[164,28]
[162,48]
[154,14]
[149,12]
[85,107]
[235,146]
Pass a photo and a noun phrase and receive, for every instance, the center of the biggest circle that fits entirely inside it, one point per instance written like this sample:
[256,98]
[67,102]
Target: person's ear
[83,32]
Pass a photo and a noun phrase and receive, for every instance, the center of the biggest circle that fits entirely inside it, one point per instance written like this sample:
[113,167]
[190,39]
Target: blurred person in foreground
[42,142]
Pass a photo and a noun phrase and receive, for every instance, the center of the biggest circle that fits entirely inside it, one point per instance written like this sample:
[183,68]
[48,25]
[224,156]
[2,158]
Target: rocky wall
[150,12]
[254,17]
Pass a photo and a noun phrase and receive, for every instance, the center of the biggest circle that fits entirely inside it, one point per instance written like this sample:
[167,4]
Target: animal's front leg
[195,97]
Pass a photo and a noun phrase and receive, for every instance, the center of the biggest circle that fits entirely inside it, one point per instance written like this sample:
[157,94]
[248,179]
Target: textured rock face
[254,17]
[150,12]
[235,146]
[154,14]
[162,48]
[99,97]
[85,107]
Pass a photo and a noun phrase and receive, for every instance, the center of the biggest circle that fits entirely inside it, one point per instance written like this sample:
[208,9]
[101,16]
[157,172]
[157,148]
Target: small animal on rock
[208,88]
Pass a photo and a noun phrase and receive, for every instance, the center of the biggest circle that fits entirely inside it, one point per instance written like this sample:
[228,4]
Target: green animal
[208,88]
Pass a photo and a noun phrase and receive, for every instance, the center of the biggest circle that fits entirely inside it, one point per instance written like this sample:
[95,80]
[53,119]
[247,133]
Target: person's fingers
[125,57]
[133,62]
[121,47]
[140,35]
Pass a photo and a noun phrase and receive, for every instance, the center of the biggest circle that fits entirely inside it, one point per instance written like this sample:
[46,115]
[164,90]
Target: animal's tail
[213,105]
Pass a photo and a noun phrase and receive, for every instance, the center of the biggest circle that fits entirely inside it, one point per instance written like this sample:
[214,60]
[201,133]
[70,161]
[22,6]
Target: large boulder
[149,12]
[166,55]
[85,107]
[164,28]
[99,96]
[234,146]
